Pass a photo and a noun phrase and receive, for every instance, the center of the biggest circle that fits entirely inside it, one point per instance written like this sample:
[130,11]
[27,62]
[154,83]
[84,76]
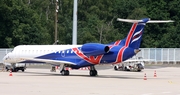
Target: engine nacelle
[94,49]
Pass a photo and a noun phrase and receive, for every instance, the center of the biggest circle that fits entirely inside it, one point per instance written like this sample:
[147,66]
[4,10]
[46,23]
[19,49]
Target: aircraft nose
[5,57]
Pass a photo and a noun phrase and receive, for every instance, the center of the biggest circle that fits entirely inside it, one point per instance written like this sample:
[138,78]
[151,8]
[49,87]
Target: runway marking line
[171,82]
[147,94]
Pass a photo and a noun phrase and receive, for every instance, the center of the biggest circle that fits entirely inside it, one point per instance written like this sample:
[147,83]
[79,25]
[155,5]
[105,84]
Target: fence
[161,55]
[3,52]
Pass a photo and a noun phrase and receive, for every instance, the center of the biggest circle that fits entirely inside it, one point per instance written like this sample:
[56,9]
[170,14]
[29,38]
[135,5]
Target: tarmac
[40,81]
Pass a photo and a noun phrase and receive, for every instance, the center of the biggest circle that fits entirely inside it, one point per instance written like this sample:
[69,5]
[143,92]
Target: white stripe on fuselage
[36,50]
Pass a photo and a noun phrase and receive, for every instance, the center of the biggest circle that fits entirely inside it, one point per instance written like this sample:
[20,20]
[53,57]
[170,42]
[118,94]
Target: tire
[93,73]
[65,72]
[7,69]
[115,68]
[125,69]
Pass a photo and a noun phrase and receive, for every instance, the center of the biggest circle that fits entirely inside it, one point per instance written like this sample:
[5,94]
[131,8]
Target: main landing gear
[93,71]
[64,72]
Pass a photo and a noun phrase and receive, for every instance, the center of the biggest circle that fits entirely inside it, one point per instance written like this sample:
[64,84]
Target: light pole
[74,41]
[56,21]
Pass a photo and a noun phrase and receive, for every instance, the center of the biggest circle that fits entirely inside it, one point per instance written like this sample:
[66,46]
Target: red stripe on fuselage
[119,57]
[128,39]
[115,44]
[91,59]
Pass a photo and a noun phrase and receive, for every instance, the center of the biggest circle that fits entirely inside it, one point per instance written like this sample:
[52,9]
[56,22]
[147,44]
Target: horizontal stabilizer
[149,21]
[128,20]
[160,21]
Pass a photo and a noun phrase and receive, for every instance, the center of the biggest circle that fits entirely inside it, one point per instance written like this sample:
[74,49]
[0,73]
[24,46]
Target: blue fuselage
[116,54]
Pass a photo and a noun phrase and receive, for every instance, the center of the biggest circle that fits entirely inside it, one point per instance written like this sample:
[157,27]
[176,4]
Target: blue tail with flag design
[134,36]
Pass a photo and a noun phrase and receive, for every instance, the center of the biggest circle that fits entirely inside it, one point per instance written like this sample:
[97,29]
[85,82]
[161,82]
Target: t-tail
[134,36]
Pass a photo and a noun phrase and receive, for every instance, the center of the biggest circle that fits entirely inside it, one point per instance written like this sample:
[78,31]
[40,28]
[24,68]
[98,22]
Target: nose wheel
[93,71]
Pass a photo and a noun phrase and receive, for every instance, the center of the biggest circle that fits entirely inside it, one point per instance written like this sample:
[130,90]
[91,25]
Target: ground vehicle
[15,67]
[130,65]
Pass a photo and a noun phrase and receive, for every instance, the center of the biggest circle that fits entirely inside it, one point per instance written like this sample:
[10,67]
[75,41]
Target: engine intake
[94,49]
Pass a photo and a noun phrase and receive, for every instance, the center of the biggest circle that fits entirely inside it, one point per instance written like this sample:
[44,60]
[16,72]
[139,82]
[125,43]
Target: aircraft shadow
[79,75]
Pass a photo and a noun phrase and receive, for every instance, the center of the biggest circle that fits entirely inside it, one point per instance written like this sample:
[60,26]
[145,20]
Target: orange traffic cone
[145,77]
[155,74]
[10,74]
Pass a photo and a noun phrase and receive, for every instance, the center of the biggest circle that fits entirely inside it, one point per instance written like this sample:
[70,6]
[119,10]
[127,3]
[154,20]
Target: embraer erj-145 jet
[89,54]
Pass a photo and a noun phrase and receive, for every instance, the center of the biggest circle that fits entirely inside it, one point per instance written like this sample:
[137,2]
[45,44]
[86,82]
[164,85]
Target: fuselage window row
[46,51]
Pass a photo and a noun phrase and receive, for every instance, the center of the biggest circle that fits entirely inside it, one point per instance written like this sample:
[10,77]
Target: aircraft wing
[57,62]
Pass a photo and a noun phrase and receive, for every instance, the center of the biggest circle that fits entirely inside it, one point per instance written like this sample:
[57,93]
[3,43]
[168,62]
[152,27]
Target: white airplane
[89,54]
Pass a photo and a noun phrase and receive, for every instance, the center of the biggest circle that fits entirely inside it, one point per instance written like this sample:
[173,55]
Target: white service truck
[136,65]
[15,67]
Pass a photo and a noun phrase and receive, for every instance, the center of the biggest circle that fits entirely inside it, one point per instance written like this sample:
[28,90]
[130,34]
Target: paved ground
[108,82]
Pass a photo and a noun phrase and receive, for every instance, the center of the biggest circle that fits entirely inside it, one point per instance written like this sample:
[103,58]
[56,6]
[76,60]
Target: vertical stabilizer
[134,36]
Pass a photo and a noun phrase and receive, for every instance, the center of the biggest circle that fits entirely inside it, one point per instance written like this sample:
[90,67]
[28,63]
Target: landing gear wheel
[115,68]
[64,72]
[93,73]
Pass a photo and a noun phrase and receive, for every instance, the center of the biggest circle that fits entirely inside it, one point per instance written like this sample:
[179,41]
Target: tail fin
[134,36]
